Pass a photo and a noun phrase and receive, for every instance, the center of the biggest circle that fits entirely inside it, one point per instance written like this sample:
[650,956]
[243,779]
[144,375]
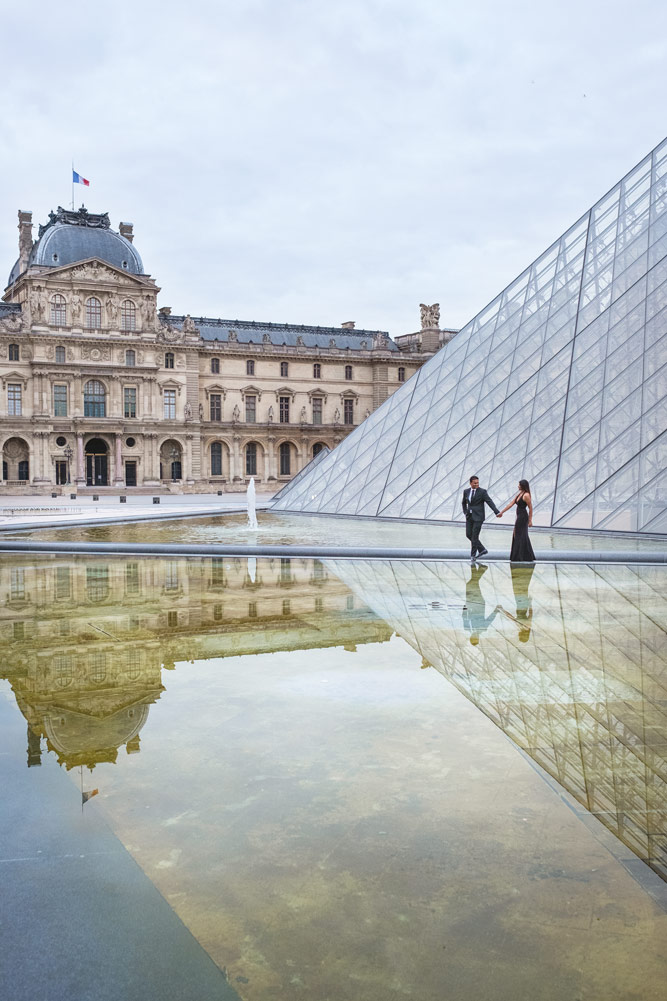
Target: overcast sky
[317,161]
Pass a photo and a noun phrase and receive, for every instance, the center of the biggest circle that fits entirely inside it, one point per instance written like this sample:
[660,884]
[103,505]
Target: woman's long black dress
[521,551]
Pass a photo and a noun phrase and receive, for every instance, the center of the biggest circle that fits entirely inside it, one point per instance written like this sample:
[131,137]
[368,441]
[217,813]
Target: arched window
[348,372]
[60,354]
[251,459]
[14,352]
[93,313]
[215,365]
[94,399]
[216,459]
[169,359]
[401,374]
[317,448]
[285,459]
[58,311]
[317,370]
[130,358]
[128,315]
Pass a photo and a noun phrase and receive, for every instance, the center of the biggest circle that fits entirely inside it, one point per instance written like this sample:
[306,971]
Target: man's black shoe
[483,552]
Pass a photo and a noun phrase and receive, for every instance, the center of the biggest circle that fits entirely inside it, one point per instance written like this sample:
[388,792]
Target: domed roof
[69,237]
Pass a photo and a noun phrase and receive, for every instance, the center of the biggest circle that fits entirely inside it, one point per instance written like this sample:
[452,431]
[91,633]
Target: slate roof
[76,236]
[250,332]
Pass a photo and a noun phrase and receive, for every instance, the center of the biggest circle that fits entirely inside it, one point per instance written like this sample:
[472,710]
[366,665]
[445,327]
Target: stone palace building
[100,388]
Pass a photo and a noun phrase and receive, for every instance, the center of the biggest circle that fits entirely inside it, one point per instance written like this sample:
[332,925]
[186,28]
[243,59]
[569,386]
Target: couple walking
[474,499]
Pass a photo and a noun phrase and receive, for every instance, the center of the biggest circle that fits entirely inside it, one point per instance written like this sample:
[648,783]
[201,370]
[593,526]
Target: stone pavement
[23,511]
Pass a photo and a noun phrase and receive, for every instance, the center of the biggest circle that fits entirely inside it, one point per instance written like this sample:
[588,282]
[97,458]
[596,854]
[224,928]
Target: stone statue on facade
[12,323]
[430,316]
[189,325]
[112,309]
[187,411]
[75,307]
[304,415]
[336,416]
[270,415]
[236,414]
[201,411]
[147,310]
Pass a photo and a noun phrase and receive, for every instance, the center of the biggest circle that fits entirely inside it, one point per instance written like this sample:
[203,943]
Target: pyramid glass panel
[563,376]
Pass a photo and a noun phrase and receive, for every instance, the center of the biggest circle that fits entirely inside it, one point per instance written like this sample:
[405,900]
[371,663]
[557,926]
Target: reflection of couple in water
[475,619]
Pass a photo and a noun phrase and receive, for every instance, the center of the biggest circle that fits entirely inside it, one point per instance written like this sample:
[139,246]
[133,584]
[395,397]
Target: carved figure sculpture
[336,416]
[201,411]
[189,325]
[270,415]
[304,415]
[236,414]
[430,316]
[76,308]
[187,411]
[112,309]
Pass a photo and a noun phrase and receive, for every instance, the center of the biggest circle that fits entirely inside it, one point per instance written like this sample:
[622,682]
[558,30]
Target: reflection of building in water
[85,641]
[574,672]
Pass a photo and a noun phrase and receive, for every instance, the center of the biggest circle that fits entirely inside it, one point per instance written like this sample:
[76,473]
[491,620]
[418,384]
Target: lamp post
[67,452]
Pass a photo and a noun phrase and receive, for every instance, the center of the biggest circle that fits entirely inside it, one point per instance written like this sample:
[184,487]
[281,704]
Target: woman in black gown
[521,551]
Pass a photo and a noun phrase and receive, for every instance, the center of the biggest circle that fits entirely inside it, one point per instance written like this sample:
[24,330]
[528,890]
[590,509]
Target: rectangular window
[63,583]
[131,578]
[130,401]
[17,584]
[348,411]
[317,410]
[249,367]
[60,401]
[216,406]
[401,374]
[317,370]
[171,576]
[250,409]
[172,620]
[170,404]
[217,573]
[284,409]
[14,407]
[284,368]
[14,352]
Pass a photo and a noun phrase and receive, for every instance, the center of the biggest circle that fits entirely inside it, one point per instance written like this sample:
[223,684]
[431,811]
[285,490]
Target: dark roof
[7,308]
[250,332]
[69,237]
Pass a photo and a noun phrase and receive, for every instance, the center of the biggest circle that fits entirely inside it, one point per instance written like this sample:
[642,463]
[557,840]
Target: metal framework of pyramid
[562,380]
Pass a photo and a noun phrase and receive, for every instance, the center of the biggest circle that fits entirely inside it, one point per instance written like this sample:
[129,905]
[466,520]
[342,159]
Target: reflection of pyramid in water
[562,379]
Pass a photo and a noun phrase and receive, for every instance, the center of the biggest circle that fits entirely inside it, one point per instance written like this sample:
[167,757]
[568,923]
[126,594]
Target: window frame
[128,316]
[129,402]
[58,310]
[93,404]
[169,404]
[59,402]
[93,311]
[169,359]
[14,399]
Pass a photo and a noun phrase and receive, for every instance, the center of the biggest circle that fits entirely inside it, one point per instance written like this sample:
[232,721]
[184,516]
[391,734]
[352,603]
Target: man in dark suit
[474,499]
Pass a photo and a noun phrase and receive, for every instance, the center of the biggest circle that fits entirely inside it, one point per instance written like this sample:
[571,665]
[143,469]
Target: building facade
[100,388]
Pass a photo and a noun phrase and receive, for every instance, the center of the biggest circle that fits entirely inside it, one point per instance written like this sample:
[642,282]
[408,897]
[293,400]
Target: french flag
[78,179]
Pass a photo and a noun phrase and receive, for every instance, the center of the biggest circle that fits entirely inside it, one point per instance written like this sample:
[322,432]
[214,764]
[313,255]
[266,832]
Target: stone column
[270,471]
[80,463]
[187,472]
[150,477]
[236,470]
[118,464]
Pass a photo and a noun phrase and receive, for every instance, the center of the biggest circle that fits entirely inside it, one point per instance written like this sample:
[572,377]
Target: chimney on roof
[25,239]
[125,229]
[348,325]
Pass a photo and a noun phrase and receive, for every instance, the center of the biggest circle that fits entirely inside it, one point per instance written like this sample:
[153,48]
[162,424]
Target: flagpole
[72,185]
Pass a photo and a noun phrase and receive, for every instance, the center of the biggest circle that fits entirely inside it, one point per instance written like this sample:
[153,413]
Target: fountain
[252,516]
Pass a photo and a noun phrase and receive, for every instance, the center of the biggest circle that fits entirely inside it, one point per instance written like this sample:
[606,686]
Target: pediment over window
[215,388]
[171,384]
[319,393]
[13,377]
[251,391]
[285,391]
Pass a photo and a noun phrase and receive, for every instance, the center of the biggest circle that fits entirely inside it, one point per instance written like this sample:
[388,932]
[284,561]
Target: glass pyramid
[562,380]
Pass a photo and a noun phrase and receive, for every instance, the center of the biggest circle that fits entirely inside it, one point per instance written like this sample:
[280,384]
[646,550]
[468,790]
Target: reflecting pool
[309,761]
